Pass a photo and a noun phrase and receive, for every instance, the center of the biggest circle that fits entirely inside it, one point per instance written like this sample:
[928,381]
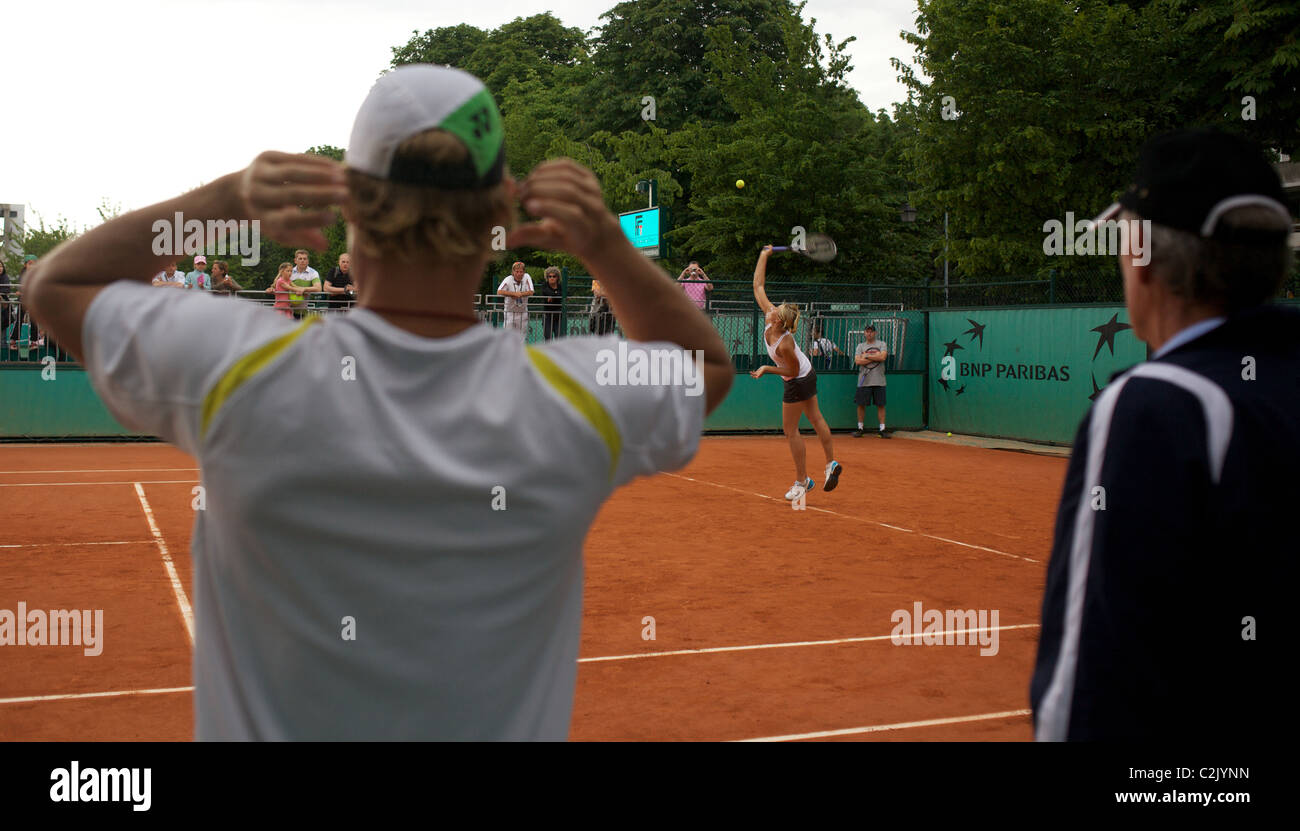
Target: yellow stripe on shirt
[583,401]
[243,370]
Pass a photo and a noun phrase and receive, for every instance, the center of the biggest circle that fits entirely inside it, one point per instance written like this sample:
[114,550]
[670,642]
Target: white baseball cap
[418,97]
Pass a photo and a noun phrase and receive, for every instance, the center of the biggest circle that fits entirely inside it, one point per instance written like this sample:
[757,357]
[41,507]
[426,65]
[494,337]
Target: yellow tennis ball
[950,435]
[740,183]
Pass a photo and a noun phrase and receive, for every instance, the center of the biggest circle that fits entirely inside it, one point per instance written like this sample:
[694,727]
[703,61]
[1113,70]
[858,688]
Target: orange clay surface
[780,619]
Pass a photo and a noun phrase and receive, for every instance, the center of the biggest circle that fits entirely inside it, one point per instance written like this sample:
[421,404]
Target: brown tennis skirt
[801,389]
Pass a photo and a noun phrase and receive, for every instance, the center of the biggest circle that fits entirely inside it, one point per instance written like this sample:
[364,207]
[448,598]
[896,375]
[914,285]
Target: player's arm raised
[649,304]
[760,279]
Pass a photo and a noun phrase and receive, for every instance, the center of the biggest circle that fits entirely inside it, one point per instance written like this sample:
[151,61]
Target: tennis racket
[818,247]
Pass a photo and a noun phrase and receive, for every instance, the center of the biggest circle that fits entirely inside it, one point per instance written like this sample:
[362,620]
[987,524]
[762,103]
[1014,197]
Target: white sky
[137,101]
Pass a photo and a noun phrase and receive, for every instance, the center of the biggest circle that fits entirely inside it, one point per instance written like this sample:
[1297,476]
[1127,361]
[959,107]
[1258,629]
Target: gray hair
[1227,275]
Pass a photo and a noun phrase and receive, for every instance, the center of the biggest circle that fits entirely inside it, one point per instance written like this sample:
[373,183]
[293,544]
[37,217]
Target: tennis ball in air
[740,183]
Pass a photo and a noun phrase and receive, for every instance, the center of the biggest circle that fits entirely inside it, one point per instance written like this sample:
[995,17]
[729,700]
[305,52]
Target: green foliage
[1053,101]
[539,46]
[40,240]
[1241,50]
[660,48]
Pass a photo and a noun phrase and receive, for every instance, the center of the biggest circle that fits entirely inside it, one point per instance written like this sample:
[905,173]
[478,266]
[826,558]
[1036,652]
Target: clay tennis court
[768,623]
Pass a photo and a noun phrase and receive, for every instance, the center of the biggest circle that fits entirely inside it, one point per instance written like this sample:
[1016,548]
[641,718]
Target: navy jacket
[1178,525]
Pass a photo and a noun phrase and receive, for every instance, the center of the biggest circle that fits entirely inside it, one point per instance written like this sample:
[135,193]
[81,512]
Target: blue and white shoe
[833,471]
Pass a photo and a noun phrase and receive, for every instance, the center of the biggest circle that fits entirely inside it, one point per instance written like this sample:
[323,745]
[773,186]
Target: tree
[1035,108]
[658,48]
[811,155]
[40,240]
[1241,51]
[539,45]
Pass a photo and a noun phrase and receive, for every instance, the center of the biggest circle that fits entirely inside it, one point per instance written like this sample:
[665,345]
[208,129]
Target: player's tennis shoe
[799,489]
[833,471]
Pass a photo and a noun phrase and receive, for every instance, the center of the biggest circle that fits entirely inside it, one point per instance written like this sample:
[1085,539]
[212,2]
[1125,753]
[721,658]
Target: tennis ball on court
[950,435]
[740,183]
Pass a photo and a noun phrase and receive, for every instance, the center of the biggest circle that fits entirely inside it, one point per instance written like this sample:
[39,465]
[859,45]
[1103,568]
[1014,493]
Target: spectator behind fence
[696,284]
[821,349]
[602,316]
[199,277]
[282,288]
[222,282]
[517,287]
[551,301]
[339,282]
[5,312]
[169,277]
[305,278]
[33,333]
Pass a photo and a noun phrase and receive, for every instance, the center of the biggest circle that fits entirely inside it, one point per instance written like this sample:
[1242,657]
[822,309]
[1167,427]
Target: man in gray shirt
[870,357]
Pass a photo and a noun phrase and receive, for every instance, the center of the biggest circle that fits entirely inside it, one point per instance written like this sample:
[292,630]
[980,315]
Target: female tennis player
[800,383]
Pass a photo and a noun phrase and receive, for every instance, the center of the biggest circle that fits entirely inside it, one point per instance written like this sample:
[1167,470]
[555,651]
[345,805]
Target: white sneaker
[798,489]
[833,471]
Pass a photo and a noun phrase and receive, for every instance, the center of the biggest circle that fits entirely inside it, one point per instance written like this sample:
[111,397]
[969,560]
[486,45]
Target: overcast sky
[137,101]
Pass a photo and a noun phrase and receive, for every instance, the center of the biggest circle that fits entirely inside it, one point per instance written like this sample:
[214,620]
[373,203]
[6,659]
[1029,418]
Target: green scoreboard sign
[642,228]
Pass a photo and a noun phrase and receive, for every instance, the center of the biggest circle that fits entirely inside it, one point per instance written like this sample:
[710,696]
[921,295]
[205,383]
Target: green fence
[1024,373]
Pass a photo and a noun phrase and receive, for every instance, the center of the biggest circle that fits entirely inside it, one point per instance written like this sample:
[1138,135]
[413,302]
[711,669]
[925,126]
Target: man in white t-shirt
[517,287]
[370,583]
[169,277]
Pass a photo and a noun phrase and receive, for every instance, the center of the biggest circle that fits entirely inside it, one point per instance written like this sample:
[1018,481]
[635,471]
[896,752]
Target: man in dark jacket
[1176,526]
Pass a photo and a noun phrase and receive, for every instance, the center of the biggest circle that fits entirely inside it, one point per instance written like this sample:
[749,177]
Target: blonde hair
[283,268]
[418,222]
[788,314]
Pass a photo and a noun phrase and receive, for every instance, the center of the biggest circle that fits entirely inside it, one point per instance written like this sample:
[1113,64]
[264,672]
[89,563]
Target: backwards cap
[418,97]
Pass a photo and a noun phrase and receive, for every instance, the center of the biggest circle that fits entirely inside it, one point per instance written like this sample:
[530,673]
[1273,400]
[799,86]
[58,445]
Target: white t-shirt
[516,305]
[178,277]
[466,618]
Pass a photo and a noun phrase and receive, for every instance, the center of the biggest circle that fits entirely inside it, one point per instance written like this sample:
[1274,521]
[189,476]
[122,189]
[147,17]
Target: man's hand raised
[573,217]
[292,194]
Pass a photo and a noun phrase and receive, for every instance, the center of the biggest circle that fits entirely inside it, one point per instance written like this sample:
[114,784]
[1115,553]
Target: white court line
[67,696]
[127,482]
[106,470]
[857,518]
[181,600]
[48,544]
[880,728]
[749,647]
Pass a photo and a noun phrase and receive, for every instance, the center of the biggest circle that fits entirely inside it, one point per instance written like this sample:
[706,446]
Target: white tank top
[805,365]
